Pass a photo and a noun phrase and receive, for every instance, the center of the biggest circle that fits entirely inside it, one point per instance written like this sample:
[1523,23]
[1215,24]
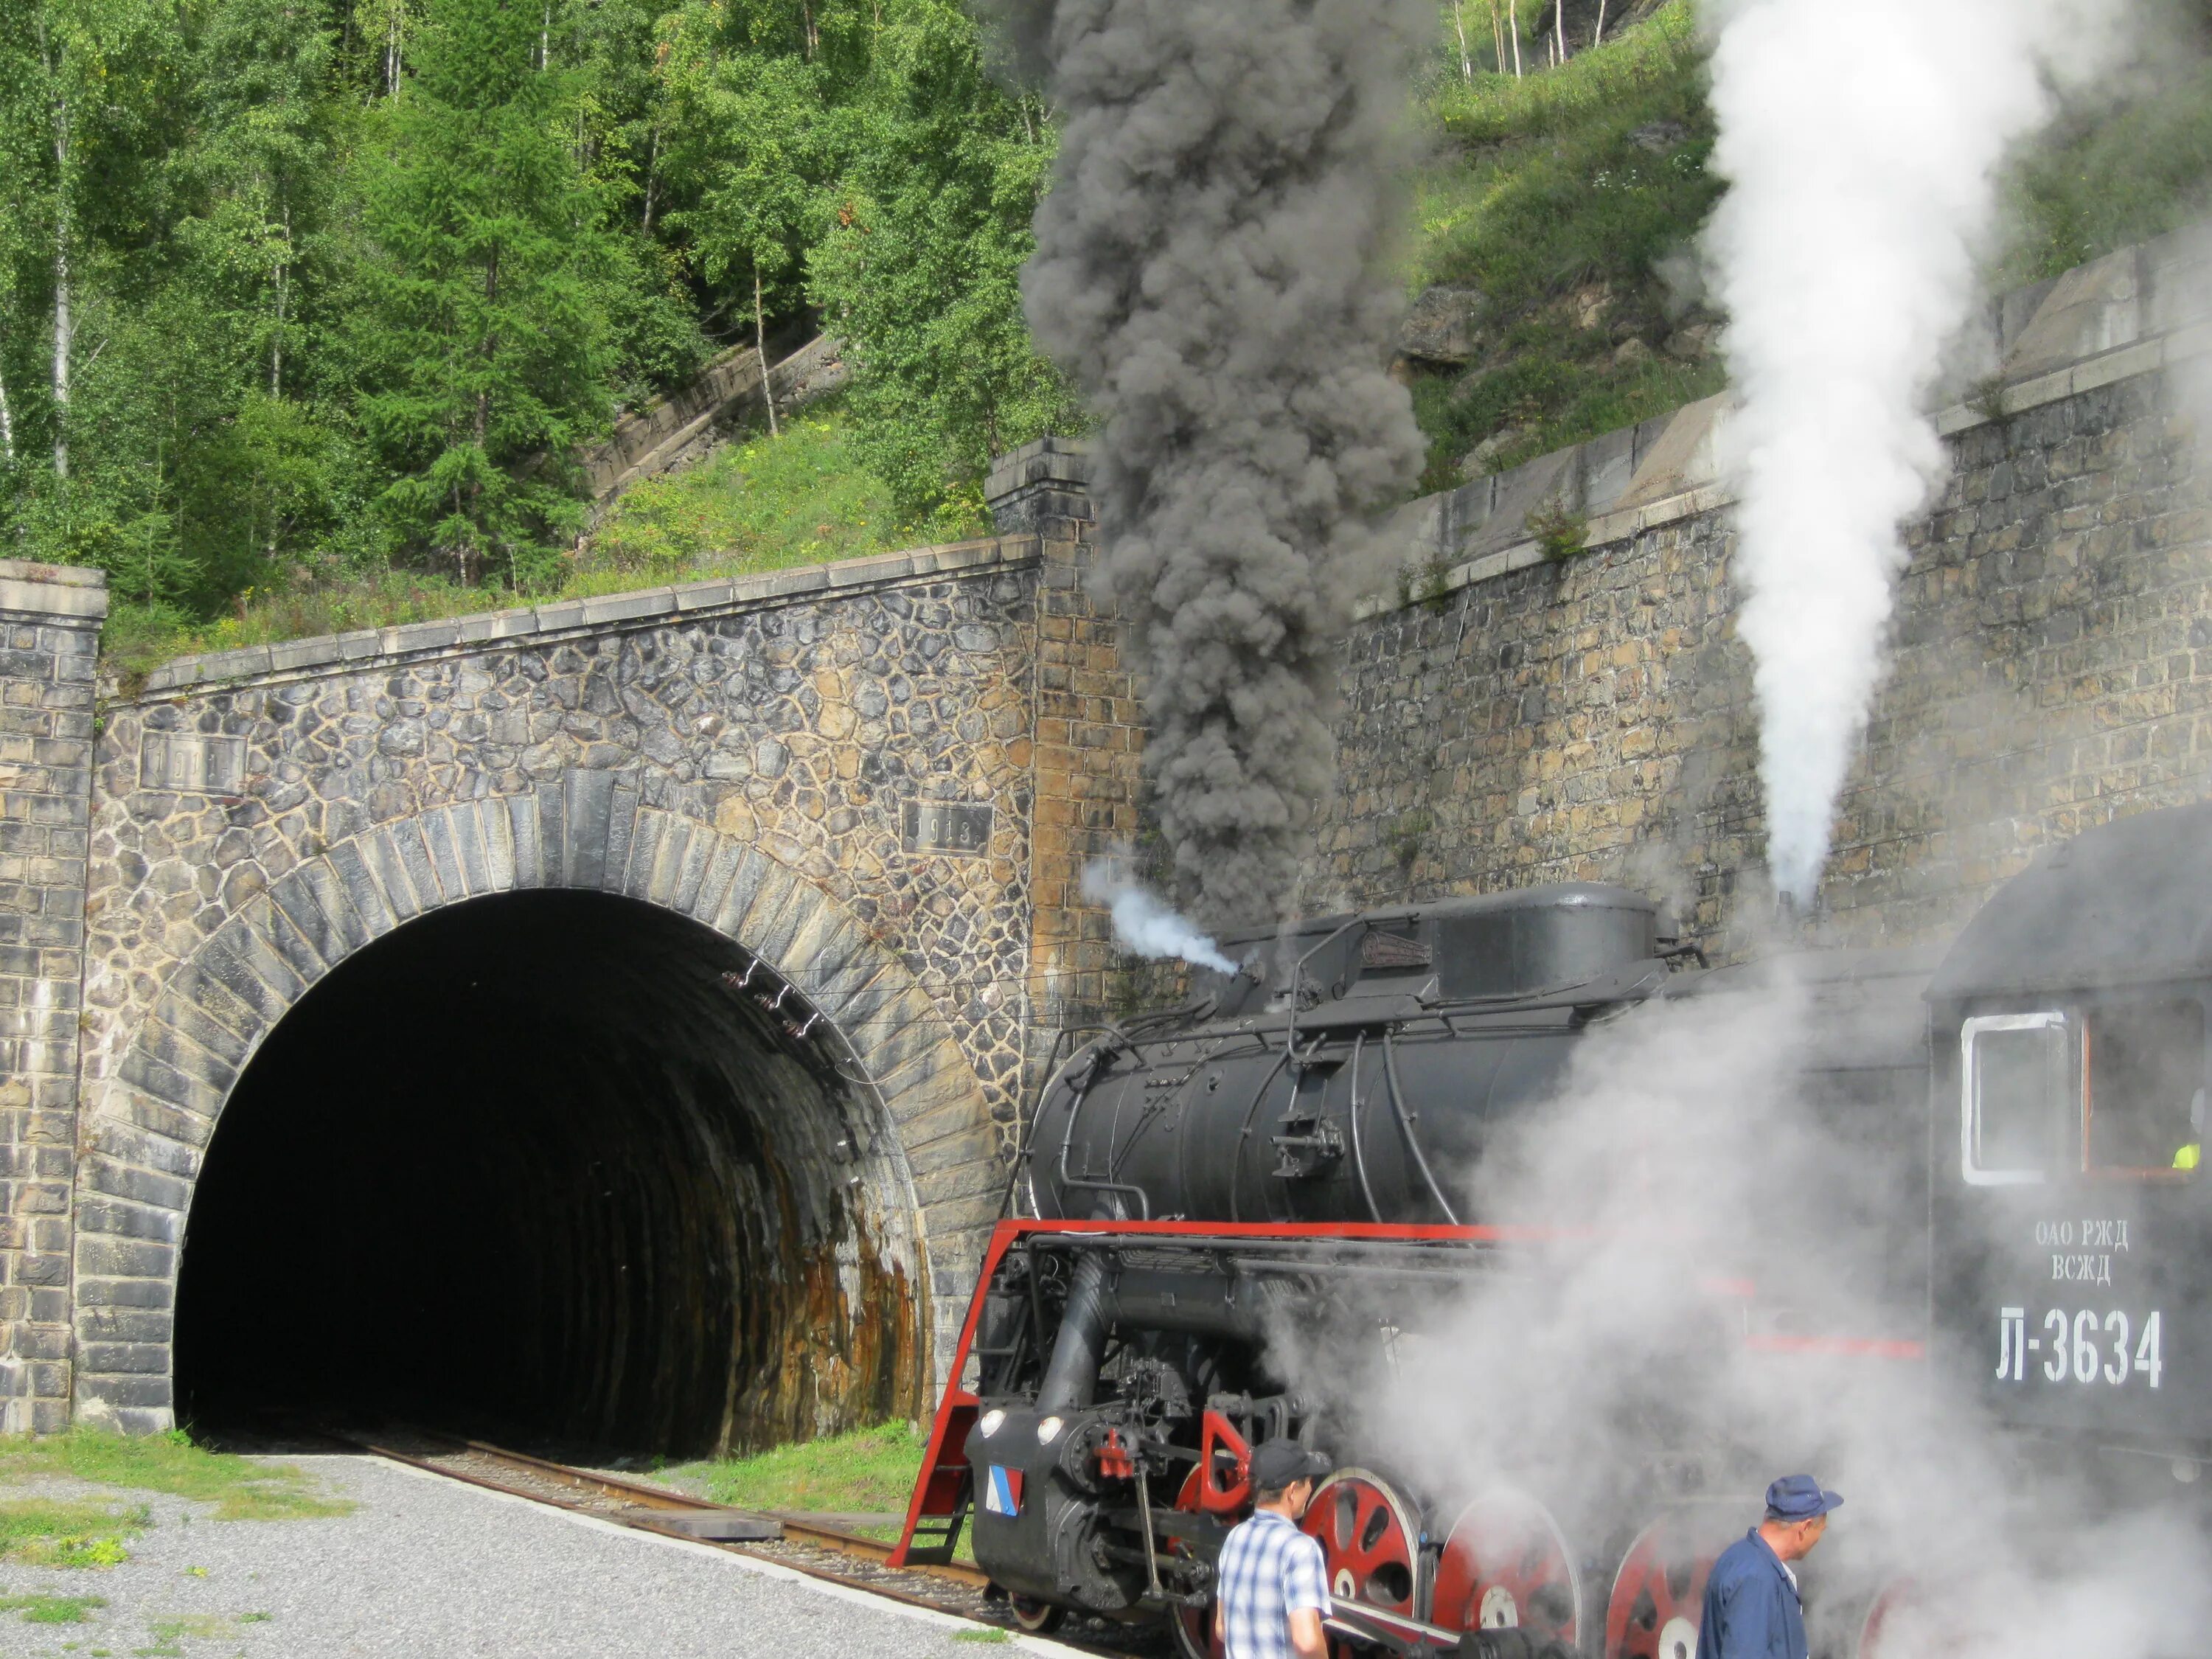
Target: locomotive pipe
[1406,1128]
[1136,1299]
[1297,980]
[1244,1133]
[1072,1374]
[1196,1305]
[1075,1183]
[1352,1113]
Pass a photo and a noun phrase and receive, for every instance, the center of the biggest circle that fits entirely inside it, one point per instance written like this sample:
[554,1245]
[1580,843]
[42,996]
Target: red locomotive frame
[944,1486]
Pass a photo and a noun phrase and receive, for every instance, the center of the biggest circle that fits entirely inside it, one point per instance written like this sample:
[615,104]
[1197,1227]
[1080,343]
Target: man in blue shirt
[1752,1609]
[1273,1583]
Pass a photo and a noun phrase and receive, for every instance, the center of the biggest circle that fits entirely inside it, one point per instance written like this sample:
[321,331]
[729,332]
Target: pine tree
[485,358]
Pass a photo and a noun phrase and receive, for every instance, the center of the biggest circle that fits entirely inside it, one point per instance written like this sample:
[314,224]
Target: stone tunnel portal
[548,1165]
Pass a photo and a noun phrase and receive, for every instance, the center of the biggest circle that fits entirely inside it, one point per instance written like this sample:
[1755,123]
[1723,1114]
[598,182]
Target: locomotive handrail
[1069,1182]
[1352,1113]
[1024,1126]
[1244,1129]
[1297,973]
[1406,1128]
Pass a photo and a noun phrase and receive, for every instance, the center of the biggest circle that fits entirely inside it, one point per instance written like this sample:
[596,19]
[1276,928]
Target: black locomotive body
[1301,1146]
[2068,1037]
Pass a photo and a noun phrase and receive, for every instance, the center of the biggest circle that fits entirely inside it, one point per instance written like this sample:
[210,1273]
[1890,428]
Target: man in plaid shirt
[1272,1586]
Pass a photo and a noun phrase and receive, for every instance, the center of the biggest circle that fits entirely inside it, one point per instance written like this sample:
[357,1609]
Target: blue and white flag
[1002,1492]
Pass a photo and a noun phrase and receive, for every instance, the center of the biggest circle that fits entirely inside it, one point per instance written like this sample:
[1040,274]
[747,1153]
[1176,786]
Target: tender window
[2143,1105]
[2015,1101]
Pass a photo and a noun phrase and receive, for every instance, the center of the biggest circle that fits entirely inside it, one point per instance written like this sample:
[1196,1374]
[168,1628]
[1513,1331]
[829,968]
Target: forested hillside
[296,293]
[305,306]
[1559,211]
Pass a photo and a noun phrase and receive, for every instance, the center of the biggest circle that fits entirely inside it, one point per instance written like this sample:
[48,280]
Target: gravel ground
[424,1568]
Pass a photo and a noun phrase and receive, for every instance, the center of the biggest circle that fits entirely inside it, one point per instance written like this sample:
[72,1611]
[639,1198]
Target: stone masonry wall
[1090,741]
[1591,718]
[51,618]
[863,735]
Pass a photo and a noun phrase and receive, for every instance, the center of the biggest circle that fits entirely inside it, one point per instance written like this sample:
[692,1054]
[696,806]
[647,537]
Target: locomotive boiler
[1300,1145]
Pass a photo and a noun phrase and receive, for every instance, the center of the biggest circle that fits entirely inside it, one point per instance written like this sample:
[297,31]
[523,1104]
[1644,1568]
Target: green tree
[919,269]
[87,101]
[258,482]
[483,357]
[746,130]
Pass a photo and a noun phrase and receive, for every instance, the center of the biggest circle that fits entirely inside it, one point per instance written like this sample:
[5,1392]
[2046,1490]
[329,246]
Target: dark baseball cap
[1279,1462]
[1799,1498]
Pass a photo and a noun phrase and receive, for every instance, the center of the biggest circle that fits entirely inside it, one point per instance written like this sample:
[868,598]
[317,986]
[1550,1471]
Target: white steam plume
[1862,143]
[1145,928]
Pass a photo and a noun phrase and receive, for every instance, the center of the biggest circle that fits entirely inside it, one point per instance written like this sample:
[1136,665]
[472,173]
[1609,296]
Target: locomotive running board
[944,1486]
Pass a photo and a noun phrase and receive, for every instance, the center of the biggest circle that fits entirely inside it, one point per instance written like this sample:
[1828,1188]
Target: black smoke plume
[1214,267]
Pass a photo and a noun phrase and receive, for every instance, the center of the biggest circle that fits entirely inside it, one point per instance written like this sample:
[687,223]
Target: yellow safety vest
[2187,1157]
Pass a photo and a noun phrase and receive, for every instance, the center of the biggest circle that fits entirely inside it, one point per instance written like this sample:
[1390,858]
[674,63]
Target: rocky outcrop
[1440,329]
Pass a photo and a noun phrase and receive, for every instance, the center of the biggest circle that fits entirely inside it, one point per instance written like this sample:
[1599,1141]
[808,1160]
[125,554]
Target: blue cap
[1799,1498]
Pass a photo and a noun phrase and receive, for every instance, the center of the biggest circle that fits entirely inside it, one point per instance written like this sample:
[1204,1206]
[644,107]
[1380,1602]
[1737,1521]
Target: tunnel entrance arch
[547,1166]
[788,1099]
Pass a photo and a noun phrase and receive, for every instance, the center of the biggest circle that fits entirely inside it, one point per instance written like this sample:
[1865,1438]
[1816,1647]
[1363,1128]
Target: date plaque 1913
[960,827]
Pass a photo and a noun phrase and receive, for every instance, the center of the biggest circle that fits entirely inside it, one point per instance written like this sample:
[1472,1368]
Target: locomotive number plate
[2113,1348]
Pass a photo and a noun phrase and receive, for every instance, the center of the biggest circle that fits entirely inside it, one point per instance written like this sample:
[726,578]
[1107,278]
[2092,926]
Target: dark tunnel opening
[549,1166]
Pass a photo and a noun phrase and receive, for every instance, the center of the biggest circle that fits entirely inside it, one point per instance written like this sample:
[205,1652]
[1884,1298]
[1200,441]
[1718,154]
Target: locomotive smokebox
[1350,1071]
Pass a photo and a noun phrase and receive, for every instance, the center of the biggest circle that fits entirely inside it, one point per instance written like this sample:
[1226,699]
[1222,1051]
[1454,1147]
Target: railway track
[804,1543]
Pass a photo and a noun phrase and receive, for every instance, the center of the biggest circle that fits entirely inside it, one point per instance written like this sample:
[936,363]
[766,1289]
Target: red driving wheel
[1659,1593]
[1194,1627]
[1505,1564]
[1369,1541]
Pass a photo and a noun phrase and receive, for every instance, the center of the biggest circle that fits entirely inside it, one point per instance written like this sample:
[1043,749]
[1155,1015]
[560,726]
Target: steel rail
[796,1526]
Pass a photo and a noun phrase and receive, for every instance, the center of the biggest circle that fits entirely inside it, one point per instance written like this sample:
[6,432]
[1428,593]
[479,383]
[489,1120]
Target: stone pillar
[52,617]
[1088,753]
[1043,489]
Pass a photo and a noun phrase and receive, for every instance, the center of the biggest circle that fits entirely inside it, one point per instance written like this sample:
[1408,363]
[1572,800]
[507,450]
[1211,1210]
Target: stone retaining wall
[1590,718]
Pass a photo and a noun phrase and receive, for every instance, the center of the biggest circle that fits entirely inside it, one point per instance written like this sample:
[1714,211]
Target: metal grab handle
[1406,1128]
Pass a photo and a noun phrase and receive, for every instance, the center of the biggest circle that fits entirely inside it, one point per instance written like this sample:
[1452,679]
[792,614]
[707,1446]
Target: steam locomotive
[1301,1146]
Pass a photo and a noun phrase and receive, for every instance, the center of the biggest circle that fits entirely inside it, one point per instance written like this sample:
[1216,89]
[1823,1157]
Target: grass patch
[241,1490]
[1555,197]
[1495,106]
[52,1609]
[56,1533]
[168,1635]
[866,1471]
[1559,197]
[991,1636]
[2101,180]
[765,504]
[1557,180]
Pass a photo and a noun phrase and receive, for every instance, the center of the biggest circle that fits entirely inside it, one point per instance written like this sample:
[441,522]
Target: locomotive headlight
[1049,1431]
[990,1421]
